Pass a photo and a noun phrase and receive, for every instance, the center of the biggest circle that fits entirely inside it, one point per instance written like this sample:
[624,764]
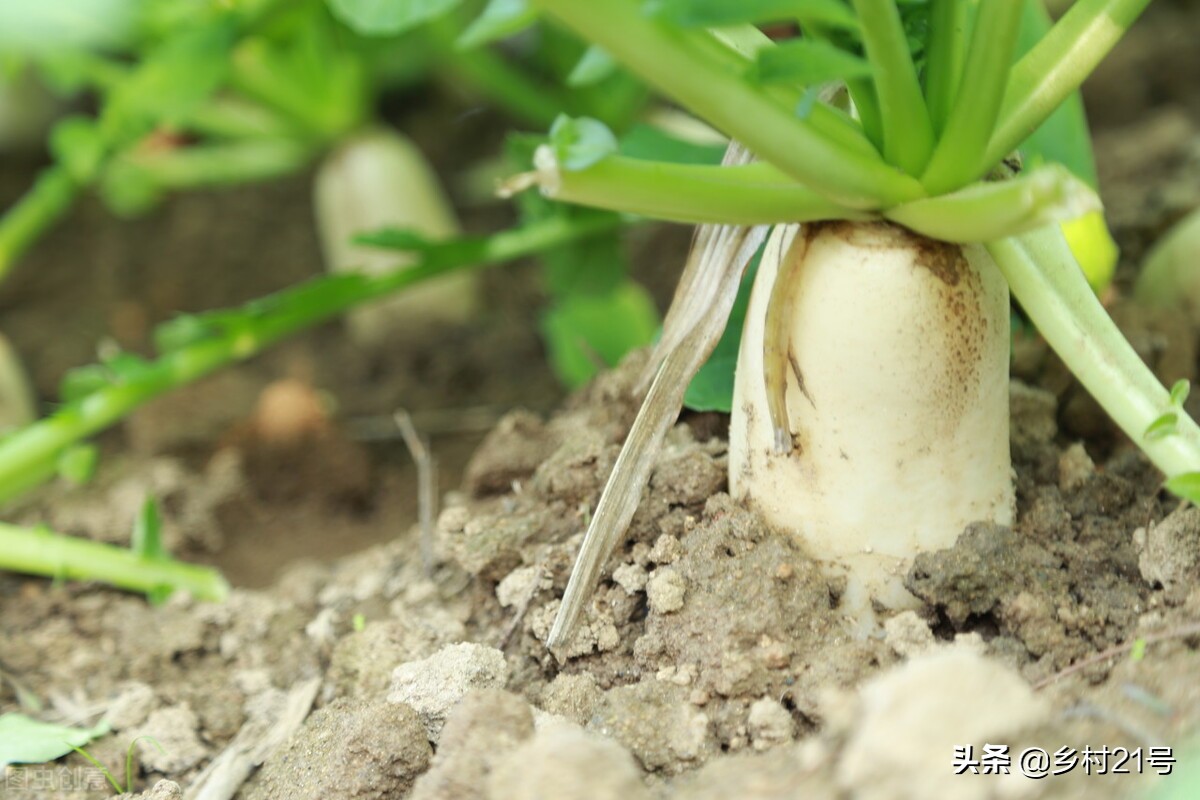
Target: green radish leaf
[499,19]
[1185,485]
[595,266]
[596,313]
[146,540]
[807,62]
[128,189]
[714,13]
[77,463]
[388,17]
[1179,392]
[580,142]
[1162,427]
[405,240]
[24,740]
[77,144]
[587,333]
[80,382]
[123,366]
[463,248]
[593,66]
[172,81]
[653,144]
[182,331]
[712,388]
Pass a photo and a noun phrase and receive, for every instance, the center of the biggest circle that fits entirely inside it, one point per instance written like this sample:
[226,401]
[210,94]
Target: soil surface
[361,657]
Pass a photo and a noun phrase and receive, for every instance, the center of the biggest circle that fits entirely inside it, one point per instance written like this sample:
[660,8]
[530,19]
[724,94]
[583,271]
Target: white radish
[379,179]
[870,413]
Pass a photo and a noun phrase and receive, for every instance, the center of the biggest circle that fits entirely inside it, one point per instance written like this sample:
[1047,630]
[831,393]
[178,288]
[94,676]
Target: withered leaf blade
[717,267]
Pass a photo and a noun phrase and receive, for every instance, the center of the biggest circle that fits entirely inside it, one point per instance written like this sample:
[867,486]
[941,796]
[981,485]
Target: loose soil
[713,661]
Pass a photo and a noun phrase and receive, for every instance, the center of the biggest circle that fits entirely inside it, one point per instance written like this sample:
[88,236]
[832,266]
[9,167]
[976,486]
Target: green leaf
[77,463]
[404,240]
[1162,427]
[653,144]
[78,383]
[128,189]
[808,62]
[712,388]
[127,367]
[388,17]
[76,143]
[172,81]
[1185,485]
[1138,651]
[586,333]
[714,13]
[24,740]
[182,331]
[1179,392]
[580,142]
[593,66]
[499,19]
[146,539]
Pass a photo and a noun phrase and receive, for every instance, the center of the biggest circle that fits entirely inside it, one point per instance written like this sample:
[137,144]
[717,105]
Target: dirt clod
[485,727]
[167,741]
[1169,553]
[565,762]
[364,750]
[912,717]
[655,721]
[434,685]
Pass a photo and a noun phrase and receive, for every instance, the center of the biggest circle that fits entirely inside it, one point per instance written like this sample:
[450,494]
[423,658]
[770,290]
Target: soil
[713,661]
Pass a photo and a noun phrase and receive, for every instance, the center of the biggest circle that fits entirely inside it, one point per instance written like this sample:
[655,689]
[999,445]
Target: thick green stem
[907,131]
[1046,280]
[48,199]
[240,335]
[944,58]
[998,209]
[678,64]
[41,552]
[866,102]
[1055,67]
[965,138]
[754,194]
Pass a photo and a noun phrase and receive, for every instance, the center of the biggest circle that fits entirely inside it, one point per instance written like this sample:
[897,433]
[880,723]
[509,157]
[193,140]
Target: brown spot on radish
[943,259]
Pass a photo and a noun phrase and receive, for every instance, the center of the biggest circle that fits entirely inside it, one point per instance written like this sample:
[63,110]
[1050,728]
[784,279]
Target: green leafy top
[933,93]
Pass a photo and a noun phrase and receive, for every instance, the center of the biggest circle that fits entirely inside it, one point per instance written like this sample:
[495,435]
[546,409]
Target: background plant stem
[38,551]
[27,455]
[46,201]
